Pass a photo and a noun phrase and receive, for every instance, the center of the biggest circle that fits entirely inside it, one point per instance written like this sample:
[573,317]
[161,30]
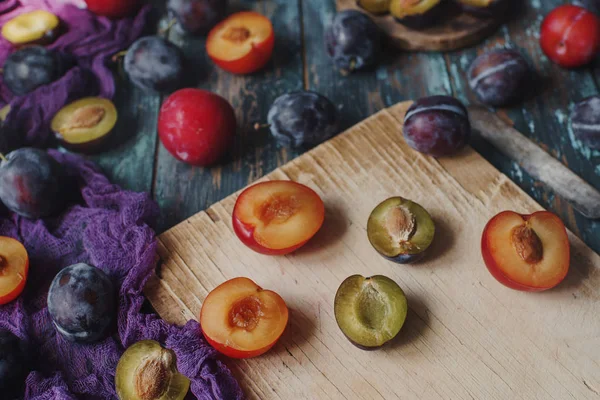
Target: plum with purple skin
[31,67]
[33,184]
[81,303]
[302,118]
[197,17]
[13,362]
[437,125]
[500,77]
[155,64]
[353,41]
[485,8]
[585,122]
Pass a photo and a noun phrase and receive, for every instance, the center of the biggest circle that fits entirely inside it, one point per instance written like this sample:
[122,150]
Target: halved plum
[400,230]
[147,371]
[34,27]
[243,43]
[14,267]
[417,14]
[85,124]
[526,252]
[277,217]
[370,311]
[241,320]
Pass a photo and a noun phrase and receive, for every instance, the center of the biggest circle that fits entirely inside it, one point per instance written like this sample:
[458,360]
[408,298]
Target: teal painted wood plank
[183,190]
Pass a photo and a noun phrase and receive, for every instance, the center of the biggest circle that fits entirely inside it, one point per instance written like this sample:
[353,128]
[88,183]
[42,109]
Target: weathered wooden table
[140,163]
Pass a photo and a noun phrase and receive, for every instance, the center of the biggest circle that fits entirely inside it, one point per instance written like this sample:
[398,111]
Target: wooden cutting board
[456,31]
[466,336]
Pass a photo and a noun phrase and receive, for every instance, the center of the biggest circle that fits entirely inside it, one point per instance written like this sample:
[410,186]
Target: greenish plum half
[400,230]
[370,311]
[147,371]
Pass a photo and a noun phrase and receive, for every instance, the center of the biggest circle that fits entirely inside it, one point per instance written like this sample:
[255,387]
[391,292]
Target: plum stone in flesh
[302,119]
[82,304]
[585,122]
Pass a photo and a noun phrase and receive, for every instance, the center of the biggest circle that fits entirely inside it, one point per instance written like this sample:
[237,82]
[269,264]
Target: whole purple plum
[500,77]
[82,304]
[437,126]
[33,184]
[197,17]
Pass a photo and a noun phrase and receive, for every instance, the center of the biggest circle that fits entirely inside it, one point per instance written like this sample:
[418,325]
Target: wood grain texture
[456,31]
[466,336]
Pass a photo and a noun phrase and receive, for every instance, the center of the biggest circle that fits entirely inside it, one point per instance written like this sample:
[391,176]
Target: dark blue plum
[585,121]
[500,78]
[302,119]
[353,41]
[13,362]
[155,64]
[197,17]
[437,126]
[82,303]
[31,67]
[33,184]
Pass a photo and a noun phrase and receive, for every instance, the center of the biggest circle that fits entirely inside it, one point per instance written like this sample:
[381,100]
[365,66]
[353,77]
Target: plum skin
[197,17]
[33,184]
[13,361]
[302,119]
[82,304]
[353,41]
[585,121]
[499,78]
[31,67]
[155,64]
[437,125]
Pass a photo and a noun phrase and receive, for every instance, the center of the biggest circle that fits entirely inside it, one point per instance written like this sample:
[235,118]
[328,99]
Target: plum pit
[527,244]
[246,313]
[147,371]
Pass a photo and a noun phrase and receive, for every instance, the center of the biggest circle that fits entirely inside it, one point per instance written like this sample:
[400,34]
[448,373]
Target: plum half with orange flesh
[417,14]
[526,252]
[14,267]
[277,217]
[34,27]
[370,311]
[242,320]
[147,371]
[400,230]
[85,124]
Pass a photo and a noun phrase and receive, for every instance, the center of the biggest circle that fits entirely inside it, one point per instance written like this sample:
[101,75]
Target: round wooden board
[459,31]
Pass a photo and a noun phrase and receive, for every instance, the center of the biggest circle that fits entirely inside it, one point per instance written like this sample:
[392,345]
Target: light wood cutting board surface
[466,336]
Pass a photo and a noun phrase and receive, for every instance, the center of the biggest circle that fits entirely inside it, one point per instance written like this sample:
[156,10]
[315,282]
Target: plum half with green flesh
[85,124]
[375,6]
[34,27]
[485,8]
[417,14]
[147,371]
[370,311]
[400,230]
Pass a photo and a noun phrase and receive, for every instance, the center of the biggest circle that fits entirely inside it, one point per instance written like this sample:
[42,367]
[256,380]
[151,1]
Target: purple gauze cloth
[91,40]
[109,229]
